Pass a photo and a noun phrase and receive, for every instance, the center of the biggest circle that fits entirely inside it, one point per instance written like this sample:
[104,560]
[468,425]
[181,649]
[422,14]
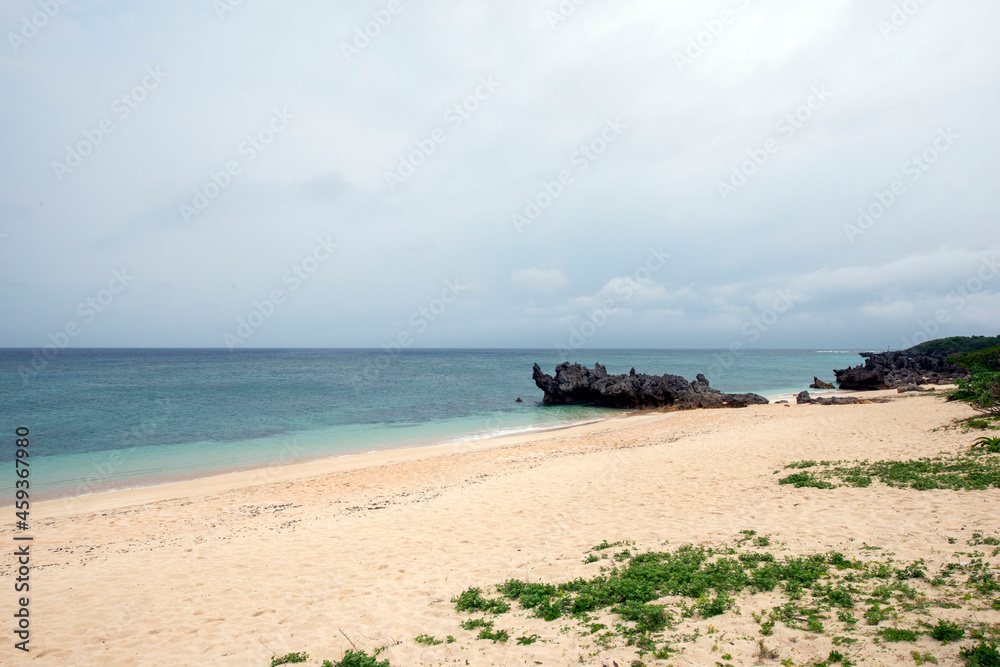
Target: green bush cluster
[981,391]
[955,345]
[986,359]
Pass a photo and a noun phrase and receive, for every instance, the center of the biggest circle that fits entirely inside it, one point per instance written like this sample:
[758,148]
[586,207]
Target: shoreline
[177,477]
[328,464]
[228,569]
[301,469]
[152,481]
[156,480]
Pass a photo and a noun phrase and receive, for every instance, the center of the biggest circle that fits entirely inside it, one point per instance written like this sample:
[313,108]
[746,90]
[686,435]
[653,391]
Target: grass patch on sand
[980,423]
[973,470]
[357,659]
[657,602]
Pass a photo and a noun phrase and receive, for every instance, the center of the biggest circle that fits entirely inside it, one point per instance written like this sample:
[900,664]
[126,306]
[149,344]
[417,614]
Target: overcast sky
[498,174]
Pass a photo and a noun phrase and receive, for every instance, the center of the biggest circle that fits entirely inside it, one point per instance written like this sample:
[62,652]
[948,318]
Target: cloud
[413,101]
[537,280]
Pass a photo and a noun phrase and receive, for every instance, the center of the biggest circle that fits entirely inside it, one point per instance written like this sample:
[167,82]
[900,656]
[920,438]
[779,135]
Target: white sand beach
[370,549]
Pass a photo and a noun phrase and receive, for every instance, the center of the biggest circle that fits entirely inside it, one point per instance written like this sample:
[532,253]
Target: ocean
[103,419]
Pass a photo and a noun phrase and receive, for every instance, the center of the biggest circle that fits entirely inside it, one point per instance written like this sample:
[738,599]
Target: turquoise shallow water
[104,419]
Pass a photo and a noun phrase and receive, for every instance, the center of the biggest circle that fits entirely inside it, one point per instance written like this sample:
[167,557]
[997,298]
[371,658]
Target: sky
[578,174]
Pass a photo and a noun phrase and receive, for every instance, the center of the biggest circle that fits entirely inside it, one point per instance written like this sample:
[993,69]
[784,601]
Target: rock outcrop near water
[819,384]
[578,385]
[891,370]
[805,399]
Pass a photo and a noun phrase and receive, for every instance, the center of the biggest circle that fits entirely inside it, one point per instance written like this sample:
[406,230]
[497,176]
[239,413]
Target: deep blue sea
[117,418]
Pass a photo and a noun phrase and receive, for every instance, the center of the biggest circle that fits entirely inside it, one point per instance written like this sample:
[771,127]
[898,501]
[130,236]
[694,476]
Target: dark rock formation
[804,398]
[890,370]
[577,385]
[819,384]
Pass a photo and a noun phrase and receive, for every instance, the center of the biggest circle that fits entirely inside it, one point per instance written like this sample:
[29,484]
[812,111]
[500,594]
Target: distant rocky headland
[927,363]
[574,384]
[893,370]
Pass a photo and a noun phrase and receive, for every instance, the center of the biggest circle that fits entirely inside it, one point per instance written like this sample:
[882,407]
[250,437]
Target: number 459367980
[21,467]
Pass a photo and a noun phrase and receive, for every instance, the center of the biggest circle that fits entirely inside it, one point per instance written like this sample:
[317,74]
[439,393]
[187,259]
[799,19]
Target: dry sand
[226,570]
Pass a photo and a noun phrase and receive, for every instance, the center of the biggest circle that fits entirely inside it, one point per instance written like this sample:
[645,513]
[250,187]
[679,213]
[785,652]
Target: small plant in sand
[289,659]
[472,599]
[987,445]
[898,635]
[357,659]
[946,631]
[608,545]
[981,655]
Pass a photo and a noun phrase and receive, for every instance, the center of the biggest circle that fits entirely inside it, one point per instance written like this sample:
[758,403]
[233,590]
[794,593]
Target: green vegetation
[955,345]
[981,655]
[835,658]
[987,445]
[946,631]
[608,545]
[981,391]
[897,635]
[971,471]
[657,601]
[486,630]
[805,479]
[986,359]
[357,659]
[473,600]
[428,640]
[650,600]
[977,423]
